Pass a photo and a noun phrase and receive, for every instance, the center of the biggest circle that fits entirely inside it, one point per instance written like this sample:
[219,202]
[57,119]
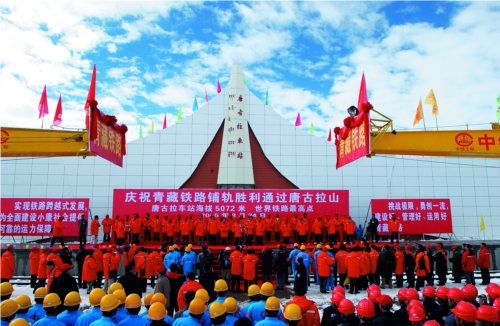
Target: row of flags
[43,108]
[430,99]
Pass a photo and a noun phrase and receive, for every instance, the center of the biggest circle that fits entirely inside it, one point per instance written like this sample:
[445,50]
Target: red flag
[298,122]
[218,87]
[58,114]
[206,95]
[90,97]
[363,95]
[43,106]
[329,135]
[165,122]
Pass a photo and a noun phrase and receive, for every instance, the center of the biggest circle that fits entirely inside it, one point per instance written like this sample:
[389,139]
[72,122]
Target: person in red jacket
[119,232]
[469,264]
[106,228]
[94,229]
[399,267]
[236,259]
[34,260]
[111,260]
[484,263]
[286,231]
[54,257]
[310,313]
[325,262]
[340,258]
[135,228]
[42,268]
[317,230]
[250,269]
[89,271]
[156,227]
[52,273]
[353,266]
[236,228]
[422,267]
[140,268]
[190,286]
[99,270]
[394,226]
[350,228]
[374,277]
[8,264]
[57,231]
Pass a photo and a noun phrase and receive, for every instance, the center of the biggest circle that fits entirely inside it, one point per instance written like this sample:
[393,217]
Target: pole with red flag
[165,122]
[43,106]
[90,97]
[58,114]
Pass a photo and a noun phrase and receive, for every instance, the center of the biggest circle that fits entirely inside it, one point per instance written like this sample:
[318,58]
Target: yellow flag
[419,115]
[431,99]
[482,227]
[152,127]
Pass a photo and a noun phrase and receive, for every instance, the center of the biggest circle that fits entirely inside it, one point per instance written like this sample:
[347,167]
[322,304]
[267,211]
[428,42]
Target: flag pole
[423,117]
[437,127]
[43,117]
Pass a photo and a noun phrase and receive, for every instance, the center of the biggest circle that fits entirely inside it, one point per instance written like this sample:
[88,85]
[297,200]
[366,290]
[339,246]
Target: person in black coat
[176,280]
[207,280]
[372,229]
[281,267]
[385,266]
[130,281]
[63,284]
[266,256]
[410,266]
[80,258]
[456,261]
[430,275]
[301,274]
[386,317]
[441,264]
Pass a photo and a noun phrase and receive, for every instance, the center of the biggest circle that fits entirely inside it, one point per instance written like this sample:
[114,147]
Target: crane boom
[458,143]
[24,142]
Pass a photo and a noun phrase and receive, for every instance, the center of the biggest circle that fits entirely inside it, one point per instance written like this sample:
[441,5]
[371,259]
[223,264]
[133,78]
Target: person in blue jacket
[188,261]
[109,306]
[257,311]
[72,303]
[169,259]
[306,259]
[292,258]
[121,312]
[316,253]
[196,309]
[133,305]
[95,300]
[272,310]
[51,304]
[24,303]
[36,312]
[176,255]
[253,297]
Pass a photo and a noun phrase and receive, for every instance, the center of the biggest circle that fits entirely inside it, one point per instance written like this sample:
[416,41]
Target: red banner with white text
[225,203]
[417,216]
[36,216]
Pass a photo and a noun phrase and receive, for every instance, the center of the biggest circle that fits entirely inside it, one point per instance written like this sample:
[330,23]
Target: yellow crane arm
[23,142]
[459,143]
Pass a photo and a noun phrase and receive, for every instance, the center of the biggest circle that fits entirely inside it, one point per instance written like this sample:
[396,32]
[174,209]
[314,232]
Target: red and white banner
[36,216]
[224,203]
[106,137]
[356,143]
[417,216]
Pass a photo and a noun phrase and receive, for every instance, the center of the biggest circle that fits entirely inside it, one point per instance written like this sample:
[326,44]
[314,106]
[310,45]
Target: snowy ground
[321,300]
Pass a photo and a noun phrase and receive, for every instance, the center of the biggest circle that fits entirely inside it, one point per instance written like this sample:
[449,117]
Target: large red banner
[36,216]
[225,203]
[106,137]
[417,216]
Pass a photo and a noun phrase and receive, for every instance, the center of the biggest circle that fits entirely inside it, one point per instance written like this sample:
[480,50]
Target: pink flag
[206,95]
[165,122]
[297,120]
[58,114]
[363,95]
[43,106]
[90,97]
[329,135]
[218,87]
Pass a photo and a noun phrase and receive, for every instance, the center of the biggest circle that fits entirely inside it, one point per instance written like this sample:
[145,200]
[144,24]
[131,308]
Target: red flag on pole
[363,95]
[90,97]
[165,122]
[298,122]
[206,95]
[58,114]
[43,106]
[218,87]
[329,135]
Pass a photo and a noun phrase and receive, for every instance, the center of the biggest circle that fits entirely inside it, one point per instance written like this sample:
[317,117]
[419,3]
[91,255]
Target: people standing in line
[386,264]
[469,264]
[266,258]
[249,269]
[94,229]
[484,264]
[106,228]
[456,267]
[394,228]
[410,266]
[82,229]
[57,231]
[236,259]
[281,267]
[422,267]
[325,262]
[441,264]
[34,261]
[372,228]
[399,267]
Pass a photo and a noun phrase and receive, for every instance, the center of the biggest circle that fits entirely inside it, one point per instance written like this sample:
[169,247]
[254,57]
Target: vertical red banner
[353,141]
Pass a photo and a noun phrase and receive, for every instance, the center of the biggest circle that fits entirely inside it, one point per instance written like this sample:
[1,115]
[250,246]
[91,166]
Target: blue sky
[153,56]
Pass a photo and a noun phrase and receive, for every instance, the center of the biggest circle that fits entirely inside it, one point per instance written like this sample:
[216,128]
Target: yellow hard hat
[40,293]
[147,299]
[51,300]
[220,286]
[133,301]
[115,286]
[170,248]
[197,307]
[188,249]
[95,296]
[120,295]
[159,297]
[109,302]
[72,299]
[295,244]
[157,311]
[6,289]
[327,247]
[190,246]
[318,246]
[292,312]
[8,308]
[23,301]
[231,305]
[253,289]
[217,309]
[303,247]
[267,289]
[19,322]
[272,304]
[202,294]
[175,246]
